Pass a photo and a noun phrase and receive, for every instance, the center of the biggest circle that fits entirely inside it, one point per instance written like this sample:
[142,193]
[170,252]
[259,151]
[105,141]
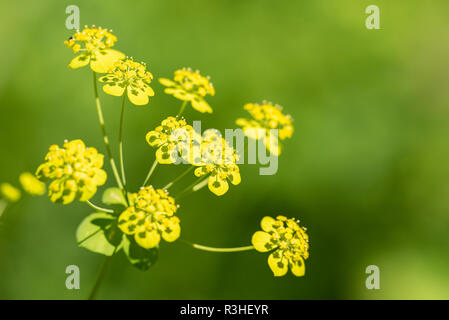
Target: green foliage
[113,196]
[99,233]
[139,257]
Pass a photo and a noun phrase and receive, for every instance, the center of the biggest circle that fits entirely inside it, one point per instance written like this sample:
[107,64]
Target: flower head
[190,86]
[130,76]
[218,161]
[150,217]
[174,138]
[31,185]
[74,171]
[94,45]
[9,192]
[266,117]
[287,242]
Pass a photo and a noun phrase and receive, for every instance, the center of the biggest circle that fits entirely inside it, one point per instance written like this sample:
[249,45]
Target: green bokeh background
[367,170]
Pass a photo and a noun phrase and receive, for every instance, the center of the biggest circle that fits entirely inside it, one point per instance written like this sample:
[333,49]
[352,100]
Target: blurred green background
[367,170]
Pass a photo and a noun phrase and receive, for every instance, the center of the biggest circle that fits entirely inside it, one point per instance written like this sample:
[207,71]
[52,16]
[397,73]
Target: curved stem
[120,141]
[105,136]
[184,104]
[178,178]
[99,208]
[150,173]
[213,249]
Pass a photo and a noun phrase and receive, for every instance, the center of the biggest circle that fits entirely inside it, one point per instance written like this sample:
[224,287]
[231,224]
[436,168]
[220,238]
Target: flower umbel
[31,185]
[9,192]
[150,217]
[173,138]
[266,117]
[75,172]
[94,45]
[218,160]
[288,243]
[190,86]
[130,76]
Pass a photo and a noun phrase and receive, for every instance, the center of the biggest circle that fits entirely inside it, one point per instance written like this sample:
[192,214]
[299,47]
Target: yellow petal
[272,144]
[127,221]
[148,90]
[103,60]
[278,264]
[147,239]
[152,138]
[9,192]
[114,89]
[172,233]
[261,241]
[201,171]
[267,224]
[68,197]
[235,178]
[218,186]
[79,61]
[298,267]
[137,96]
[167,82]
[254,132]
[201,105]
[100,177]
[166,154]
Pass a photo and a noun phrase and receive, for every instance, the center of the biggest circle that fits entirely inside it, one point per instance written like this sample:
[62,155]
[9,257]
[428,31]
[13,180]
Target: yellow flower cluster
[75,171]
[94,45]
[288,243]
[150,217]
[189,85]
[267,116]
[31,185]
[130,76]
[173,138]
[9,192]
[218,160]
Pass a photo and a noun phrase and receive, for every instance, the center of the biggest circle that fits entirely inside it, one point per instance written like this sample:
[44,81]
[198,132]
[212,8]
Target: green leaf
[99,233]
[114,196]
[139,257]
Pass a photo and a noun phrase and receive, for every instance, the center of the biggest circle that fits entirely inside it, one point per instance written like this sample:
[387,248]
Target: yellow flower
[287,242]
[150,217]
[75,172]
[267,116]
[173,138]
[31,185]
[190,86]
[218,160]
[9,192]
[94,45]
[130,76]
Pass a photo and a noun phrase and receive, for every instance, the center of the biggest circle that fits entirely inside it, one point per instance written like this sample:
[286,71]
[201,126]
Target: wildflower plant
[136,221]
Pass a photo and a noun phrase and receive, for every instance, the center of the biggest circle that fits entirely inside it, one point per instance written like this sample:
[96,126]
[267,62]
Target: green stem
[184,104]
[120,141]
[99,208]
[100,277]
[178,178]
[150,173]
[213,249]
[190,187]
[3,206]
[105,137]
